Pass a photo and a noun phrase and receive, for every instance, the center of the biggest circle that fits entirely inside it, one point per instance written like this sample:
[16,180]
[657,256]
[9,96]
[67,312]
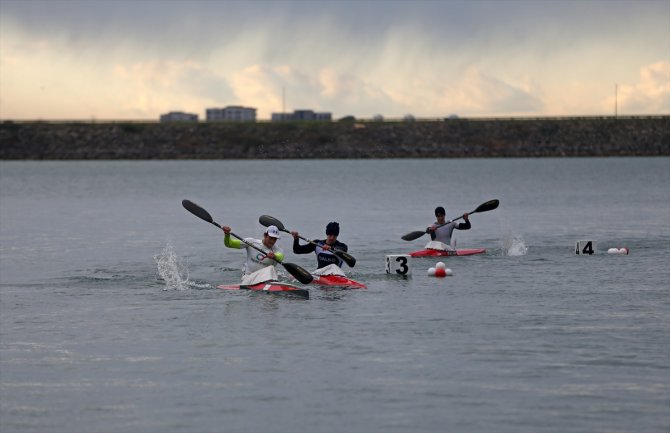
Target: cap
[273,232]
[439,211]
[333,228]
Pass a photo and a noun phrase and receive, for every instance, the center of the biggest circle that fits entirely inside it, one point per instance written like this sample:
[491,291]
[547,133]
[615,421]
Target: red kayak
[337,281]
[275,287]
[444,253]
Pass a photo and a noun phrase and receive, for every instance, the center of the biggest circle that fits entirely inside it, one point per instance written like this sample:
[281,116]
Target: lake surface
[110,320]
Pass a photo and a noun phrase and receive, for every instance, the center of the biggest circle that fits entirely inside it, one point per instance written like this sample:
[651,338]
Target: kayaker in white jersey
[255,259]
[443,233]
[322,248]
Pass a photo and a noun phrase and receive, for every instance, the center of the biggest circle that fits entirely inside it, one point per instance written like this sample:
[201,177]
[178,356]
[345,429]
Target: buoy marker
[440,270]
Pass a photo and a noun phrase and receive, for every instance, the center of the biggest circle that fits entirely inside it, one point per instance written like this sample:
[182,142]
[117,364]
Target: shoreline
[449,138]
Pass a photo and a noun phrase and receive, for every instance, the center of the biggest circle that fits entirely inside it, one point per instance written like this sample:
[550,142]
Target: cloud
[480,94]
[259,87]
[157,86]
[270,88]
[334,85]
[156,73]
[428,58]
[650,95]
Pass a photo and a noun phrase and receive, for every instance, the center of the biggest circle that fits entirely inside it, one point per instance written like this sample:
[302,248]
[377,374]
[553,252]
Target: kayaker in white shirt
[443,233]
[255,259]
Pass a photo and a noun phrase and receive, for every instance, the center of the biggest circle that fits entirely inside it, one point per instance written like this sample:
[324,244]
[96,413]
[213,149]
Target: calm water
[110,320]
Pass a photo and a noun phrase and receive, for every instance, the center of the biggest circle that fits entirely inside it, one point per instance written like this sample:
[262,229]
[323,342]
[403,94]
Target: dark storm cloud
[197,25]
[350,57]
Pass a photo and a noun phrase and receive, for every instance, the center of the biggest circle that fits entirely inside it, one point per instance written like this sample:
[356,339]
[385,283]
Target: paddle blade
[489,205]
[299,293]
[197,210]
[413,235]
[298,272]
[267,221]
[346,257]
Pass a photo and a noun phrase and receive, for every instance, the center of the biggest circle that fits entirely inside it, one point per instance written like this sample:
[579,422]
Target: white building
[178,116]
[232,113]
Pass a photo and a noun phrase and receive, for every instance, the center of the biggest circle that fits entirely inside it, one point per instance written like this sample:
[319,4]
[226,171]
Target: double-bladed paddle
[298,272]
[484,207]
[268,220]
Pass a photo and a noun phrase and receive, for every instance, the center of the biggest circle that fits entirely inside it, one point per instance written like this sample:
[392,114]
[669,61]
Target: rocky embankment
[451,138]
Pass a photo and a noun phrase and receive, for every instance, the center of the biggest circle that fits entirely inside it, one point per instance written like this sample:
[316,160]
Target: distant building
[232,113]
[281,117]
[178,116]
[302,115]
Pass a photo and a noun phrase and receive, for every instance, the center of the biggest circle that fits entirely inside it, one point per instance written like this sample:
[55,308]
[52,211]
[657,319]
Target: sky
[137,59]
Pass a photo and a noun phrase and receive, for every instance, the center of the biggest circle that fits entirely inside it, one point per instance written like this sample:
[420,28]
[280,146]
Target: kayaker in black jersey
[443,233]
[322,248]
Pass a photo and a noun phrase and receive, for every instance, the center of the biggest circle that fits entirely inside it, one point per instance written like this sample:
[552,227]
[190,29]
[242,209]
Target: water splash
[171,269]
[514,246]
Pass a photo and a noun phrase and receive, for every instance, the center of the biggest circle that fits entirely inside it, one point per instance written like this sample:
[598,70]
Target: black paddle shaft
[298,272]
[203,214]
[268,220]
[484,207]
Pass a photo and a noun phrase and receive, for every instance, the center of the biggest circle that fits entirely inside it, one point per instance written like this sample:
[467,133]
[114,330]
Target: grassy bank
[449,138]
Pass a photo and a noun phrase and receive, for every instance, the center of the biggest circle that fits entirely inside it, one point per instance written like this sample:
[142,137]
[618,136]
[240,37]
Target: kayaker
[255,259]
[442,233]
[324,256]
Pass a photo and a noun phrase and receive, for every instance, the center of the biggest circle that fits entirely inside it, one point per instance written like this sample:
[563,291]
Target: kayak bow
[429,252]
[337,281]
[274,287]
[333,276]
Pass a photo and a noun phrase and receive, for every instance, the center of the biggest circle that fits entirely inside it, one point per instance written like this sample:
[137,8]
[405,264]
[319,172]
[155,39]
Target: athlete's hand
[226,229]
[270,255]
[295,235]
[466,216]
[325,247]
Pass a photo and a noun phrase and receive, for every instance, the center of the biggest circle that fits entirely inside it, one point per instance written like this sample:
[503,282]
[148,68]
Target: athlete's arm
[464,226]
[302,249]
[230,242]
[340,246]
